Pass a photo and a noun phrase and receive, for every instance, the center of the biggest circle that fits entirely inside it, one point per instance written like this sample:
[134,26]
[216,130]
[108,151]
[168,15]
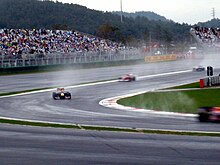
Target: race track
[84,107]
[46,146]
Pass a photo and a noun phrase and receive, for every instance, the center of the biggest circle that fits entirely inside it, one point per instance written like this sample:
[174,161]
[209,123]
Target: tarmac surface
[36,145]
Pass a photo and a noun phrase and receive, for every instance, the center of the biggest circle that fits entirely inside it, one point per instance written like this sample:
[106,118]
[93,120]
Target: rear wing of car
[60,89]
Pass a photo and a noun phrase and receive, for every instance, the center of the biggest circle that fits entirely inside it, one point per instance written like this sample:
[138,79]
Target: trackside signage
[210,81]
[159,58]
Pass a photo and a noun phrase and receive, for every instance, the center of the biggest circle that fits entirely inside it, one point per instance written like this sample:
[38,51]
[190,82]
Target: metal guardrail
[210,81]
[68,58]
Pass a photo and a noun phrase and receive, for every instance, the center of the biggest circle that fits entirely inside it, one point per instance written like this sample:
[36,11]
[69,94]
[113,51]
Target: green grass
[111,129]
[192,85]
[24,91]
[175,101]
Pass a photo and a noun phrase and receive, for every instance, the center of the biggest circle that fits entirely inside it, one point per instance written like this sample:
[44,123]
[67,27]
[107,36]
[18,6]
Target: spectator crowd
[16,43]
[208,36]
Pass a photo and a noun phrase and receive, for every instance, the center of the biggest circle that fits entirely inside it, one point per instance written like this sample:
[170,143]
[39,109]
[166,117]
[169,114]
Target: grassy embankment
[186,101]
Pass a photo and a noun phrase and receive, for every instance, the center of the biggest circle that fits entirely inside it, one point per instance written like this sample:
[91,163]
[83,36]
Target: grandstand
[15,43]
[206,37]
[39,47]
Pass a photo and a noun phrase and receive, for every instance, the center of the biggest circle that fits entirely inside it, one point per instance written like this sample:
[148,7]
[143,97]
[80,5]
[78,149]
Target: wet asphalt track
[84,109]
[45,146]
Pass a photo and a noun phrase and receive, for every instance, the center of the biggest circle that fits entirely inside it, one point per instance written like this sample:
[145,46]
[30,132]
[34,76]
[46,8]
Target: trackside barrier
[31,60]
[210,81]
[201,83]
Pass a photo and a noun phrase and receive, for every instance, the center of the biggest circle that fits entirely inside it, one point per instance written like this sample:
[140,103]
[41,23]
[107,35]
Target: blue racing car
[61,94]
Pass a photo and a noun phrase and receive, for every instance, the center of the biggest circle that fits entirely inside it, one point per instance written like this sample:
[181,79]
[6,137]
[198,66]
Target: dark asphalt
[84,107]
[34,145]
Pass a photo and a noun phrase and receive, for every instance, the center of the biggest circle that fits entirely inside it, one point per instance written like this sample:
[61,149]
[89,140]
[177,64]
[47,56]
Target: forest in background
[135,29]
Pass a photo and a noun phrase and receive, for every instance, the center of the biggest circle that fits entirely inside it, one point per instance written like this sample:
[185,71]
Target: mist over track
[40,145]
[84,107]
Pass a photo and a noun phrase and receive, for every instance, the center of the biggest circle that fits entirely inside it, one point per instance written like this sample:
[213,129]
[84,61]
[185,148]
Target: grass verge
[24,91]
[192,85]
[186,101]
[103,128]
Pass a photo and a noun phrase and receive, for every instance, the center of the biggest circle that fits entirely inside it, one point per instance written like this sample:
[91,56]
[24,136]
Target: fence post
[23,62]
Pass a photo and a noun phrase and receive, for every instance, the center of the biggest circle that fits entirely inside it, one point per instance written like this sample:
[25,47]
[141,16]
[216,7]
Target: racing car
[61,94]
[209,114]
[127,78]
[199,69]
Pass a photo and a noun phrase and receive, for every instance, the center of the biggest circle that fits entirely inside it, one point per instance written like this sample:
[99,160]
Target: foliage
[33,14]
[212,23]
[149,15]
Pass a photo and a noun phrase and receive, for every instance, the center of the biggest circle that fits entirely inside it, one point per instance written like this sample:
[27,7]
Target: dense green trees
[57,15]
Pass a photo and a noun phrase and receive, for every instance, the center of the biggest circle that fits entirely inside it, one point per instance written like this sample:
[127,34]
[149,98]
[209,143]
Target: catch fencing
[68,58]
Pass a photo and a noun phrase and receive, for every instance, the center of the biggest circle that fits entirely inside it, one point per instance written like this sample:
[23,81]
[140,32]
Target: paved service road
[34,145]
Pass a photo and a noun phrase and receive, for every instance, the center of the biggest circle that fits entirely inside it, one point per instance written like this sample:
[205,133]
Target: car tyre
[54,96]
[203,117]
[69,94]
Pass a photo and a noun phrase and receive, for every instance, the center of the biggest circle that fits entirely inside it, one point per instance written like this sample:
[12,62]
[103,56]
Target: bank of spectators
[208,36]
[16,43]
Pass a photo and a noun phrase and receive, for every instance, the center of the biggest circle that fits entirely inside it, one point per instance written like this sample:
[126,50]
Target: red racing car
[209,114]
[127,78]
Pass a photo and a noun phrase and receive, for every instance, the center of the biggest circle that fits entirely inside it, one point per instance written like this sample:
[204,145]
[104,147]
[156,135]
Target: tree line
[35,14]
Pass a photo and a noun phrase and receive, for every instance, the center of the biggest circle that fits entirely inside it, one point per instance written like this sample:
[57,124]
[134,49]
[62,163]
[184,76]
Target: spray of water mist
[173,102]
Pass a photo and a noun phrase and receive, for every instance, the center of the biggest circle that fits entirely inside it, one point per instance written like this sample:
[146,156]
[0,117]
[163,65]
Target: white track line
[53,89]
[165,74]
[91,84]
